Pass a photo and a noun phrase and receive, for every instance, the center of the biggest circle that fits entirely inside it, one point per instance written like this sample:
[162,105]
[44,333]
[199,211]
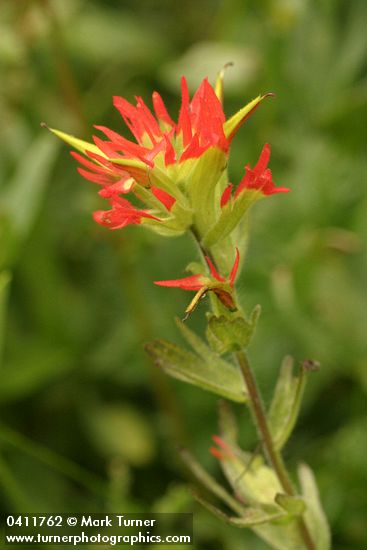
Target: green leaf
[314,515]
[294,505]
[286,402]
[216,376]
[225,334]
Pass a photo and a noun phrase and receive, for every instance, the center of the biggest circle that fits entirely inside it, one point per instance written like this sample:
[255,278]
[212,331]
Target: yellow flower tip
[218,88]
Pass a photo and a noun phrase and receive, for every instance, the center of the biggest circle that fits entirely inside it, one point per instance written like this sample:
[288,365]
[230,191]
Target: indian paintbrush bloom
[172,168]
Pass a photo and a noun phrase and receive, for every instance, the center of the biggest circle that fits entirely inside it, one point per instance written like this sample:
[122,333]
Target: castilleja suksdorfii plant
[176,175]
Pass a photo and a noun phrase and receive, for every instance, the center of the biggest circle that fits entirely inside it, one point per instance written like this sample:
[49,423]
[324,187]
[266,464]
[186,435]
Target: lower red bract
[121,214]
[260,177]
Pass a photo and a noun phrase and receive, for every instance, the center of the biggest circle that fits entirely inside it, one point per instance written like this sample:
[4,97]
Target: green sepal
[293,505]
[314,515]
[226,334]
[231,215]
[232,124]
[211,373]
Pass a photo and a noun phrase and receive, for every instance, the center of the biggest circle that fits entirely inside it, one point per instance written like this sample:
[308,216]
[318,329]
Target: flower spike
[163,161]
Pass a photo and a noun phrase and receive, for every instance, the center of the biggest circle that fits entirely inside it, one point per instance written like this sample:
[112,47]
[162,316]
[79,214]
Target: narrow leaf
[286,402]
[314,515]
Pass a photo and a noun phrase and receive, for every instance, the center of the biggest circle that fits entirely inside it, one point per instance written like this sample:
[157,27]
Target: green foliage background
[86,423]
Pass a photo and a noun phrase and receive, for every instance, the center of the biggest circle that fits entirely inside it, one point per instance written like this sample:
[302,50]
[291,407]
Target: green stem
[273,455]
[259,416]
[257,409]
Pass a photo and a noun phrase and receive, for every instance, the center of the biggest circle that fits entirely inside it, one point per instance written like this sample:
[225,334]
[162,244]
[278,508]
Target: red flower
[201,284]
[259,178]
[105,174]
[122,213]
[197,282]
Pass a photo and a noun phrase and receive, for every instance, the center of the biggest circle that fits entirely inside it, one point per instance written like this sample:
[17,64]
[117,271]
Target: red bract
[105,174]
[200,126]
[199,282]
[260,177]
[165,198]
[224,452]
[122,213]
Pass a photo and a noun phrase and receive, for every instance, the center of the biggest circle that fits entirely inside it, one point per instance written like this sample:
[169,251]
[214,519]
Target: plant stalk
[272,454]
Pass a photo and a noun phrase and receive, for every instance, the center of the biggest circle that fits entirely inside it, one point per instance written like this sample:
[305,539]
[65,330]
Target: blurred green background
[86,423]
